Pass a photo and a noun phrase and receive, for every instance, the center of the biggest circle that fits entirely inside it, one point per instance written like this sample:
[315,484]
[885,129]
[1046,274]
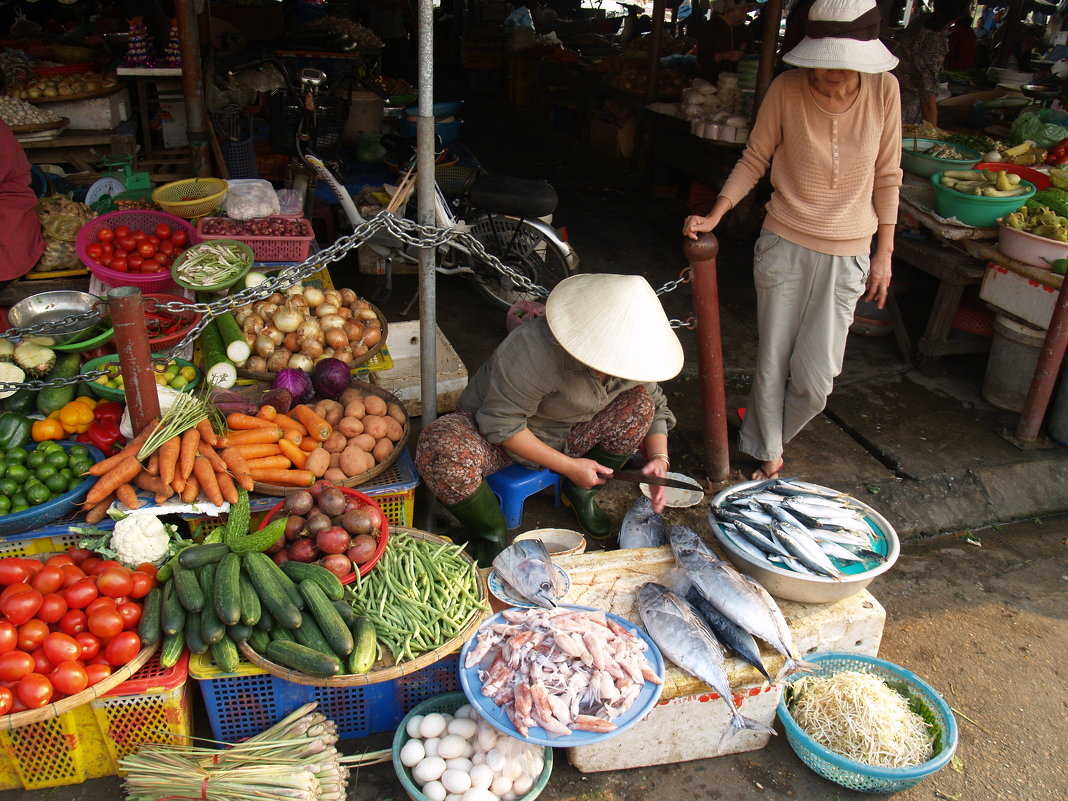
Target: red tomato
[80,594]
[119,264]
[32,635]
[140,584]
[139,235]
[79,555]
[151,266]
[53,607]
[166,247]
[49,579]
[108,249]
[33,566]
[163,231]
[21,606]
[89,643]
[105,235]
[41,663]
[101,566]
[14,665]
[17,705]
[96,673]
[12,571]
[101,602]
[122,230]
[9,636]
[59,559]
[69,678]
[87,565]
[146,250]
[94,251]
[6,697]
[127,243]
[131,614]
[60,647]
[135,260]
[72,574]
[147,568]
[122,648]
[73,622]
[34,690]
[99,659]
[179,237]
[12,589]
[155,240]
[105,622]
[163,259]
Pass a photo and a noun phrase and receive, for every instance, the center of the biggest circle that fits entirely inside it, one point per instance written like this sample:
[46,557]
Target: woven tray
[383,670]
[37,127]
[101,92]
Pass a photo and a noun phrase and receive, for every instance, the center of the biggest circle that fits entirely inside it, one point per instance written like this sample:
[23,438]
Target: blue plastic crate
[54,537]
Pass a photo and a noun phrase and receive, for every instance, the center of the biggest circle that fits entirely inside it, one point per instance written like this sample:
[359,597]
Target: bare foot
[768,470]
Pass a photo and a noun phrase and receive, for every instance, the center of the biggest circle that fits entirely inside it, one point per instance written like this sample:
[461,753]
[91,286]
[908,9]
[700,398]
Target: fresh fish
[689,643]
[738,597]
[527,568]
[801,545]
[793,486]
[837,551]
[642,527]
[745,545]
[728,632]
[792,563]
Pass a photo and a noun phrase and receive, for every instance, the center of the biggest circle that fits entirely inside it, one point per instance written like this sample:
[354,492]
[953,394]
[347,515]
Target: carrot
[237,421]
[168,458]
[307,444]
[99,511]
[162,497]
[293,453]
[192,489]
[238,466]
[152,483]
[269,463]
[258,451]
[255,436]
[285,478]
[190,440]
[289,423]
[292,435]
[227,487]
[267,412]
[205,450]
[153,464]
[207,433]
[221,441]
[126,494]
[205,475]
[131,449]
[124,472]
[178,483]
[317,427]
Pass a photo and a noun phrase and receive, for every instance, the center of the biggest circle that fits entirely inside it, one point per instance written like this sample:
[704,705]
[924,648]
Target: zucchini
[218,369]
[335,631]
[282,634]
[228,589]
[259,641]
[346,612]
[251,609]
[211,628]
[237,349]
[303,659]
[266,621]
[173,645]
[300,571]
[272,594]
[193,639]
[172,618]
[239,633]
[149,628]
[53,399]
[225,654]
[199,555]
[365,646]
[187,588]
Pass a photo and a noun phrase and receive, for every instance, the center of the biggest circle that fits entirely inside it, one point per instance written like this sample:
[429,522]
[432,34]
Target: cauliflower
[140,538]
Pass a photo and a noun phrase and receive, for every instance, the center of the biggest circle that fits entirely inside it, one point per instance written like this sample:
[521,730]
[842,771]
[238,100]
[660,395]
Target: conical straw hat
[616,325]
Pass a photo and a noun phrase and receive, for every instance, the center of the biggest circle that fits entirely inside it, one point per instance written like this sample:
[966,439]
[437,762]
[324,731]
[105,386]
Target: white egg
[453,797]
[431,746]
[537,765]
[496,761]
[464,711]
[464,727]
[522,785]
[456,781]
[460,763]
[412,753]
[429,770]
[433,725]
[478,757]
[469,749]
[413,726]
[478,794]
[435,791]
[486,737]
[481,776]
[515,769]
[509,796]
[451,746]
[501,785]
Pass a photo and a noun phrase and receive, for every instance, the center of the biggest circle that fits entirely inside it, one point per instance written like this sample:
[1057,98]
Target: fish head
[527,568]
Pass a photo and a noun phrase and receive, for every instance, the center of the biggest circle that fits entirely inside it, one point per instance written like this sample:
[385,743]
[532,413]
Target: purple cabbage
[297,382]
[331,377]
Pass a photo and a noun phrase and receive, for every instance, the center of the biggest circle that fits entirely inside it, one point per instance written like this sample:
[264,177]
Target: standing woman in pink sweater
[831,133]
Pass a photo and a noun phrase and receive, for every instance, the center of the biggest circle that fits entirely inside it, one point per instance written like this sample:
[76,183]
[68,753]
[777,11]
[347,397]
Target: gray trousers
[805,305]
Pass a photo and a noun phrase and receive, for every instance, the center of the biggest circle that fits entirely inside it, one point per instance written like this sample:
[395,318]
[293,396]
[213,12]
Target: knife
[636,477]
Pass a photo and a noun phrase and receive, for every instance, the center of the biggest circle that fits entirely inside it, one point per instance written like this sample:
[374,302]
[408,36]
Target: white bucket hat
[615,325]
[842,35]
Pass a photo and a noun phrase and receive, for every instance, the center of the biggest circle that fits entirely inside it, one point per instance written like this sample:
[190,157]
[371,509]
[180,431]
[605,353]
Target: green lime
[66,472]
[7,487]
[45,472]
[5,504]
[57,460]
[36,459]
[78,451]
[3,469]
[18,473]
[74,483]
[80,467]
[179,383]
[19,508]
[37,494]
[17,456]
[49,445]
[57,483]
[18,499]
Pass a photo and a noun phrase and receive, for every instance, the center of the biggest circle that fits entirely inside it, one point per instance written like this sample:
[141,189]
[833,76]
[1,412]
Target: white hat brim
[616,325]
[831,53]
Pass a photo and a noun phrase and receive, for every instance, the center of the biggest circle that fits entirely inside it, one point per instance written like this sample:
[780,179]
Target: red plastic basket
[383,532]
[185,319]
[137,219]
[269,248]
[1039,179]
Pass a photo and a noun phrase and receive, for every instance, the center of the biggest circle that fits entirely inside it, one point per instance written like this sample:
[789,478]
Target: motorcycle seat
[517,197]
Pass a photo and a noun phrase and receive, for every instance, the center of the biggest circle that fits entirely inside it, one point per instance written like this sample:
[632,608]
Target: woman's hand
[878,278]
[586,473]
[657,494]
[695,224]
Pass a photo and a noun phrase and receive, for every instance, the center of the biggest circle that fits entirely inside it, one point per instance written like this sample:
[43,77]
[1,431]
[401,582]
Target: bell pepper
[105,435]
[42,430]
[108,411]
[14,431]
[75,417]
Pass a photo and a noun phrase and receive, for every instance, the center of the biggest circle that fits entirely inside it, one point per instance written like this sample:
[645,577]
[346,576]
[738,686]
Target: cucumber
[346,612]
[237,349]
[303,659]
[266,621]
[225,654]
[365,648]
[282,634]
[289,587]
[272,594]
[228,589]
[193,640]
[211,628]
[199,555]
[172,618]
[218,369]
[173,645]
[251,609]
[239,633]
[311,635]
[259,641]
[187,588]
[334,630]
[301,571]
[53,399]
[149,628]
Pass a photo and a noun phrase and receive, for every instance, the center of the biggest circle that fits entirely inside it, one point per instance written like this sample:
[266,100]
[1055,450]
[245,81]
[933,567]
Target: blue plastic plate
[37,516]
[508,594]
[646,700]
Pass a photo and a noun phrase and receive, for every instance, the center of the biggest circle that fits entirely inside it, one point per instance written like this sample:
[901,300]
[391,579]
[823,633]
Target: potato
[318,462]
[364,442]
[335,459]
[335,474]
[374,405]
[332,411]
[394,430]
[383,448]
[375,426]
[354,461]
[355,408]
[319,407]
[336,442]
[396,411]
[350,426]
[349,395]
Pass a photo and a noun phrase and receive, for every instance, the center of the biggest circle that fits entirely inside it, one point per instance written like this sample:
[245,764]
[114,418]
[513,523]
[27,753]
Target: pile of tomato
[1058,154]
[65,624]
[129,251]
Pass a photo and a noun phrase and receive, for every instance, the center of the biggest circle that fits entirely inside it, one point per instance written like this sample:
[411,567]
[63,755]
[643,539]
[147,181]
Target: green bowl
[110,393]
[978,211]
[914,160]
[244,249]
[95,341]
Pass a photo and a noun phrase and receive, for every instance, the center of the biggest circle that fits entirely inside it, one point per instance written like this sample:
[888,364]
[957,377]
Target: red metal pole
[1045,378]
[135,356]
[701,254]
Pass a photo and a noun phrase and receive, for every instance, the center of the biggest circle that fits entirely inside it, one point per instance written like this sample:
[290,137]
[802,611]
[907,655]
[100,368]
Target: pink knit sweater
[835,176]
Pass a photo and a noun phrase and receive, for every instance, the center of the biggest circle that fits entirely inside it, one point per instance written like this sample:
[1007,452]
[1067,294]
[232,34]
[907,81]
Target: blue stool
[515,483]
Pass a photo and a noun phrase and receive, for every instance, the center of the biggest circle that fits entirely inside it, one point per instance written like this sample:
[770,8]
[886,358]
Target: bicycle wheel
[526,249]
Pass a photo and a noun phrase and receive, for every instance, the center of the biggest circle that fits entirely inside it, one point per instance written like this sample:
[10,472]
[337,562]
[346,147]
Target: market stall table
[82,149]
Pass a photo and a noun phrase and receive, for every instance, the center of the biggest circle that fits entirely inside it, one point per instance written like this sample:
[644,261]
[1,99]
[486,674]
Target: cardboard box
[95,113]
[173,123]
[1022,297]
[403,380]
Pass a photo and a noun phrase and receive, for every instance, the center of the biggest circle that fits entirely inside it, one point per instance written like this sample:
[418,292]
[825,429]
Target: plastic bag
[249,198]
[58,255]
[1041,128]
[61,227]
[289,202]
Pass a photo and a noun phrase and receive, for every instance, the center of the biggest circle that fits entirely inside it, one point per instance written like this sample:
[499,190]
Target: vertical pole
[1045,378]
[769,48]
[193,86]
[425,188]
[655,39]
[701,254]
[135,355]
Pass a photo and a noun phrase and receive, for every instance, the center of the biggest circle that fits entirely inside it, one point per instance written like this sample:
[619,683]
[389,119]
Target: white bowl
[557,541]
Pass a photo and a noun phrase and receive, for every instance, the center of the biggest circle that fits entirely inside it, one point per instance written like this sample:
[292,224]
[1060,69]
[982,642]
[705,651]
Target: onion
[353,330]
[273,334]
[367,314]
[326,310]
[336,338]
[333,297]
[265,310]
[241,314]
[344,355]
[287,319]
[277,298]
[264,346]
[372,336]
[257,364]
[313,296]
[298,361]
[344,312]
[311,347]
[310,329]
[348,296]
[292,342]
[297,302]
[295,289]
[359,348]
[278,360]
[361,304]
[331,321]
[253,322]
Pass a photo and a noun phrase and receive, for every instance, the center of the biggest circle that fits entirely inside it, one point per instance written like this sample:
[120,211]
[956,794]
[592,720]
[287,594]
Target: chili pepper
[104,434]
[109,411]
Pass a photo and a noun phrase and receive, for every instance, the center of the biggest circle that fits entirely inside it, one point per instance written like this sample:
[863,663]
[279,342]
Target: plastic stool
[515,483]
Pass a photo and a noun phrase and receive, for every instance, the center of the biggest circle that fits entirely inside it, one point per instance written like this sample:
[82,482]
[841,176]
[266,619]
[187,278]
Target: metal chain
[685,277]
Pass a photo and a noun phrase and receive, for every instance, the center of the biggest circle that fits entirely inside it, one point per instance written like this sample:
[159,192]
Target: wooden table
[82,149]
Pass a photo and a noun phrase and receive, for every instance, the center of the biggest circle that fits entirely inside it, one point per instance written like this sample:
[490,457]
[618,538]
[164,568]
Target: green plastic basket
[110,393]
[244,249]
[981,212]
[449,703]
[99,337]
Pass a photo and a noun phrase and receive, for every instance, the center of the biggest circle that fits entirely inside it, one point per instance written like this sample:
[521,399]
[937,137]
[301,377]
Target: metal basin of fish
[53,307]
[793,586]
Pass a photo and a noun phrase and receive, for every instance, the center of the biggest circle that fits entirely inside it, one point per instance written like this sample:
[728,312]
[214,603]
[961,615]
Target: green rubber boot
[591,517]
[483,521]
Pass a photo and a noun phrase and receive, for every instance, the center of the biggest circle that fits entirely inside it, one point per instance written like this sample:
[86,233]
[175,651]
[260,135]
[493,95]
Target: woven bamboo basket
[383,670]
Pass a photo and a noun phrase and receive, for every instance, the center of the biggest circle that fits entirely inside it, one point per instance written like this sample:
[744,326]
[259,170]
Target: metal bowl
[49,307]
[791,586]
